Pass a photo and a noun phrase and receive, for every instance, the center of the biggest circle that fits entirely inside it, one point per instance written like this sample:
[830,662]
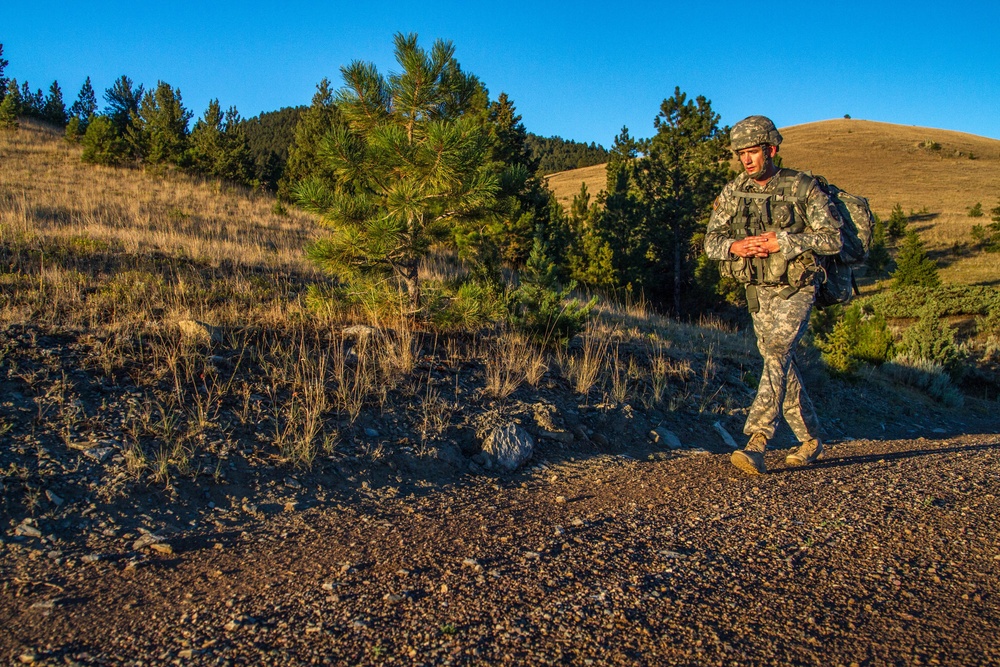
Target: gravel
[883,553]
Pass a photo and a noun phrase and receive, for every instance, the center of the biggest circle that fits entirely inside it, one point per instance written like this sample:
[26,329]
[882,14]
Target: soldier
[766,229]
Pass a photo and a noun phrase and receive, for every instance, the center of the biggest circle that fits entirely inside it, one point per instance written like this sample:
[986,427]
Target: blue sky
[580,70]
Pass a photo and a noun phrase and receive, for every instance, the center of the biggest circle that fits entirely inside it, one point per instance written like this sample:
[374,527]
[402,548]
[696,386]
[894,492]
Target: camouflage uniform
[781,319]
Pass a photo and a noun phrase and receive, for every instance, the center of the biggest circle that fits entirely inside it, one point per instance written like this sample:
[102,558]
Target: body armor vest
[780,209]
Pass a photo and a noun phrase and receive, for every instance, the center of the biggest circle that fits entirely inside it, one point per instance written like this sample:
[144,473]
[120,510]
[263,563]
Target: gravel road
[883,553]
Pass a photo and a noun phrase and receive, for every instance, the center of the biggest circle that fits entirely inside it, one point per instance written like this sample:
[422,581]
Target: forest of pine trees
[557,154]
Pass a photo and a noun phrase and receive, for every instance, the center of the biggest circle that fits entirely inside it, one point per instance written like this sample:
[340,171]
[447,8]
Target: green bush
[925,375]
[989,324]
[932,340]
[102,143]
[470,307]
[851,336]
[976,211]
[896,225]
[913,266]
[948,299]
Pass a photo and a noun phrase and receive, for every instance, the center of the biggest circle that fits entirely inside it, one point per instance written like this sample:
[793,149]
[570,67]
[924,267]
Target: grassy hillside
[919,168]
[566,184]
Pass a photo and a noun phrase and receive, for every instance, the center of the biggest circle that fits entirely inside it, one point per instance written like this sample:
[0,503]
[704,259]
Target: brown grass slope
[942,171]
[566,184]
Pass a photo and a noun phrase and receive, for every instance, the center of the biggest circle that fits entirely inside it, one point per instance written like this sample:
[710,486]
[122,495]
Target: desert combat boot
[750,459]
[807,452]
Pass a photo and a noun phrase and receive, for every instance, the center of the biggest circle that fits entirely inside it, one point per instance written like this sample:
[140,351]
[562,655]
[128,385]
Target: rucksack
[839,284]
[856,232]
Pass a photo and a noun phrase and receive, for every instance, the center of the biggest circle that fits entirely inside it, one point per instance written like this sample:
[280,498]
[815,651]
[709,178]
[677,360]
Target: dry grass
[942,171]
[566,184]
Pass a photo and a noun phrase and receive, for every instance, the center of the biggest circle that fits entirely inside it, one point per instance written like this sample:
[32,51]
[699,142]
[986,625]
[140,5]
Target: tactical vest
[781,209]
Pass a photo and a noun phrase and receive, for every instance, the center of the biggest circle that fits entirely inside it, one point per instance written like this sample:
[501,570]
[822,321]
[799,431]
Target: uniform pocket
[737,269]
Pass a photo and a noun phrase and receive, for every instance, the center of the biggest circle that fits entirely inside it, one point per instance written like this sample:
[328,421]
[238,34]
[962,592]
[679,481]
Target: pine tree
[320,119]
[613,236]
[10,107]
[102,144]
[31,104]
[206,139]
[523,202]
[896,226]
[85,105]
[410,164]
[122,103]
[674,183]
[159,132]
[3,79]
[219,146]
[913,266]
[878,255]
[54,109]
[932,340]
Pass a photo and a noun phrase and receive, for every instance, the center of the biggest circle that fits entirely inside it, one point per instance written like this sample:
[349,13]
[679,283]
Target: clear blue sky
[580,70]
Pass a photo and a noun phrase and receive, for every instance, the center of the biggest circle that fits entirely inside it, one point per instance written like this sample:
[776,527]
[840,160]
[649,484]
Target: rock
[27,658]
[162,548]
[509,446]
[371,433]
[728,439]
[662,435]
[600,439]
[81,445]
[473,564]
[564,437]
[26,530]
[450,453]
[53,498]
[146,540]
[98,453]
[358,332]
[194,331]
[561,500]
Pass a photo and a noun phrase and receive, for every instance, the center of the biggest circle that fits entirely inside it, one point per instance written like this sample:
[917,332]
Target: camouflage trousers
[779,325]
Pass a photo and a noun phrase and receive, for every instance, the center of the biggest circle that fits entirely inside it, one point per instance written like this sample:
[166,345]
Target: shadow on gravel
[888,456]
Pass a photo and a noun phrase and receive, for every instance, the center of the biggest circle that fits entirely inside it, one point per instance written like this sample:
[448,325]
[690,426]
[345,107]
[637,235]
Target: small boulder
[665,436]
[509,446]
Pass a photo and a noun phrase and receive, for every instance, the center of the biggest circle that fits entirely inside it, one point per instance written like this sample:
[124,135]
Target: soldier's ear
[772,151]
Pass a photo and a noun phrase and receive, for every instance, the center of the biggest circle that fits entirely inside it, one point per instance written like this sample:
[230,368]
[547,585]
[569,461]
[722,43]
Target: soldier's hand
[751,246]
[768,242]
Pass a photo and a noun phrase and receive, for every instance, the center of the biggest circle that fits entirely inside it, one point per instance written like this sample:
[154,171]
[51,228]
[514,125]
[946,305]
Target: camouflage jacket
[799,239]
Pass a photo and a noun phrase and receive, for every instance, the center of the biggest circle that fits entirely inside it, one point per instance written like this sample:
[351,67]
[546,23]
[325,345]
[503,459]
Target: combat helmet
[754,131]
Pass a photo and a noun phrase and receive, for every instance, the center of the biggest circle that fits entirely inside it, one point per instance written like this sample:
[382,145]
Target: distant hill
[566,184]
[558,154]
[942,171]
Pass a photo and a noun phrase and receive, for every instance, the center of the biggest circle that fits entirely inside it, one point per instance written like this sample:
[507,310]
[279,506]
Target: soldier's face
[756,159]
